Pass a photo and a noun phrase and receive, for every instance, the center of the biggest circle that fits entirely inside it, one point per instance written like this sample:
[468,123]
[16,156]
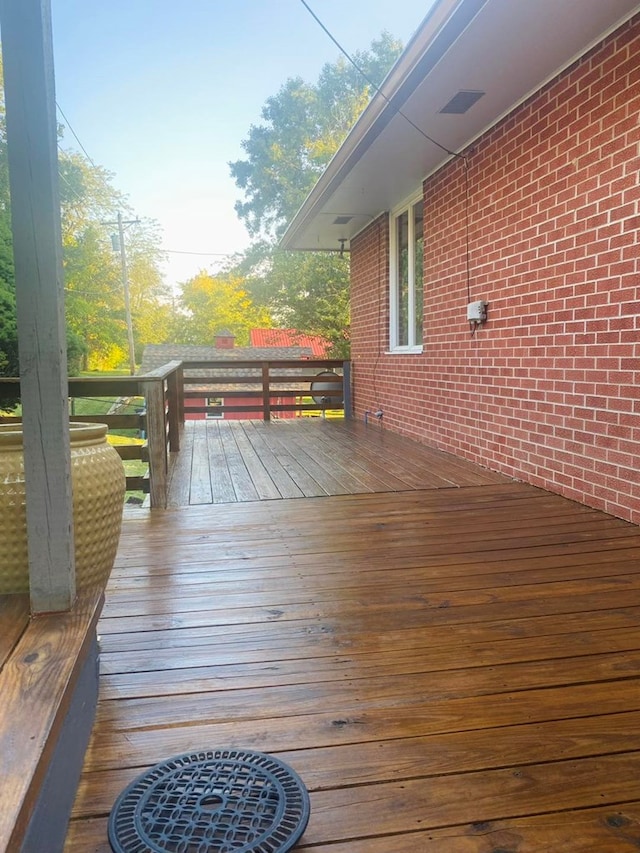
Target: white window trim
[394,347]
[210,416]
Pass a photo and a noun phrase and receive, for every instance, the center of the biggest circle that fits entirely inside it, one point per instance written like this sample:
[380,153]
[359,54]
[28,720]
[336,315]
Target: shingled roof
[155,355]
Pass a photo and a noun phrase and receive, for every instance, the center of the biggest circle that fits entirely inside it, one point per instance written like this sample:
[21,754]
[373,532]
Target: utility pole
[127,301]
[125,284]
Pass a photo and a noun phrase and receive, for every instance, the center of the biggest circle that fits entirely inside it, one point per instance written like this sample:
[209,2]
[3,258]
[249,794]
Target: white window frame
[214,416]
[394,346]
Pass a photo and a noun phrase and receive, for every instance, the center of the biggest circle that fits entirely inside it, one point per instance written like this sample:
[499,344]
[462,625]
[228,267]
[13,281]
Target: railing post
[266,396]
[157,442]
[180,382]
[346,388]
[173,394]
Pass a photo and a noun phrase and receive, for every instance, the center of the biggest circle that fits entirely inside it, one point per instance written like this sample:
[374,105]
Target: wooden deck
[41,665]
[228,461]
[450,670]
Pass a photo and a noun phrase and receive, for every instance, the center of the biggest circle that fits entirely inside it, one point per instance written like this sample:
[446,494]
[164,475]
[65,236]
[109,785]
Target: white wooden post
[35,210]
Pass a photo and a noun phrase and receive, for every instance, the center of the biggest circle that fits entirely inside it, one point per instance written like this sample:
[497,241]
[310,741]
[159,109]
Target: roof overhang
[506,49]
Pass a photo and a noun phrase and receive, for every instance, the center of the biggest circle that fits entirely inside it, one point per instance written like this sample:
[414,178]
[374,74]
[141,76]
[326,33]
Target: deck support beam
[35,208]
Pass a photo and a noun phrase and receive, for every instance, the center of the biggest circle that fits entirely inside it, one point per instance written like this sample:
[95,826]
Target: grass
[105,374]
[318,413]
[100,406]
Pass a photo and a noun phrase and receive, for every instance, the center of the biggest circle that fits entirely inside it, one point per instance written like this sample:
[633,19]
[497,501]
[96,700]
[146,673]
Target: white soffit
[505,48]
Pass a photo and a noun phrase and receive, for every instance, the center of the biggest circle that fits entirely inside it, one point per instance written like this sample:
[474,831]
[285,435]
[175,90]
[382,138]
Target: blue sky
[161,94]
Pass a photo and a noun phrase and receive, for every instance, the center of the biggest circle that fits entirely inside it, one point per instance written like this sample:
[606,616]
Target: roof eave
[393,92]
[461,45]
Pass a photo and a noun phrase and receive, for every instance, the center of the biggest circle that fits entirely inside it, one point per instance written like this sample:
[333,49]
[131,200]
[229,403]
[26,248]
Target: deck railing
[259,388]
[157,419]
[262,389]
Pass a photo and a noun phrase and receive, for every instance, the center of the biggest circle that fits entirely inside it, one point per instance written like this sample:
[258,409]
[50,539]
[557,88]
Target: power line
[84,150]
[210,254]
[77,138]
[376,87]
[94,294]
[62,175]
[75,192]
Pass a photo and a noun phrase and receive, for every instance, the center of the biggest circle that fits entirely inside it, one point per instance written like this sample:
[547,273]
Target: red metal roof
[289,338]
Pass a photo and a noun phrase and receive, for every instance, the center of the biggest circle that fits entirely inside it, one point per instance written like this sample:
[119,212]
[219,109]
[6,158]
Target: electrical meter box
[477,312]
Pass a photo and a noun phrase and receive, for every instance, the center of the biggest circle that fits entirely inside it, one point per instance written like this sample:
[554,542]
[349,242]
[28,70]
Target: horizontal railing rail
[267,387]
[157,419]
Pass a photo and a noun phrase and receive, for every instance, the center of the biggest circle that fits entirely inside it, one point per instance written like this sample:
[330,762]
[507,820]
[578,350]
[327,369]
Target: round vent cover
[214,801]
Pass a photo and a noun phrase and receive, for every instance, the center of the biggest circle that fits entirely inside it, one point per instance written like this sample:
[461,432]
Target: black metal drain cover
[214,801]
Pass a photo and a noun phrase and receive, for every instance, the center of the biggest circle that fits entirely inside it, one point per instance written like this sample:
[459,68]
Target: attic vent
[342,220]
[462,102]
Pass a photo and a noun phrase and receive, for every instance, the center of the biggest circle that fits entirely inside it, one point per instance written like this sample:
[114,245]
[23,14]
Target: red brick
[548,391]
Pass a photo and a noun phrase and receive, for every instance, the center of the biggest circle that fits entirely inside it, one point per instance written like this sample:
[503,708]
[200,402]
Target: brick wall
[549,389]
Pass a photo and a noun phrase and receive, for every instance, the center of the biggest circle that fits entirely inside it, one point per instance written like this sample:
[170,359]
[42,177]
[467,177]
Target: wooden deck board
[264,486]
[222,487]
[200,491]
[228,461]
[449,669]
[288,457]
[180,469]
[281,477]
[595,830]
[36,682]
[14,619]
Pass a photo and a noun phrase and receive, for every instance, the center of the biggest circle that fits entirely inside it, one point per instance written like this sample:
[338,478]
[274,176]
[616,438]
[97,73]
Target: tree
[8,328]
[302,127]
[213,304]
[93,278]
[94,299]
[301,290]
[150,298]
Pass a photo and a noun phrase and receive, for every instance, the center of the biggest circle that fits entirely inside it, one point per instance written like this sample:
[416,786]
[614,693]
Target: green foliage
[302,127]
[93,273]
[8,328]
[307,291]
[86,195]
[9,364]
[150,298]
[94,299]
[212,304]
[76,353]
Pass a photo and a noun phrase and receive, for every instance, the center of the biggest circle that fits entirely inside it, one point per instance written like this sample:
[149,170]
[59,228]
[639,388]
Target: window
[216,403]
[406,299]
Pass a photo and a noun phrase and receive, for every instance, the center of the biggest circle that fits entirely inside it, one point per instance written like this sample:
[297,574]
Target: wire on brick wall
[467,199]
[379,289]
[467,229]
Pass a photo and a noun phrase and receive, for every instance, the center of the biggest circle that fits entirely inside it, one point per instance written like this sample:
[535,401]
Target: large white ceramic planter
[98,483]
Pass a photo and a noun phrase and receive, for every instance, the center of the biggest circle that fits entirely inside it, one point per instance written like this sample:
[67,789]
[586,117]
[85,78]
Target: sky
[161,93]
